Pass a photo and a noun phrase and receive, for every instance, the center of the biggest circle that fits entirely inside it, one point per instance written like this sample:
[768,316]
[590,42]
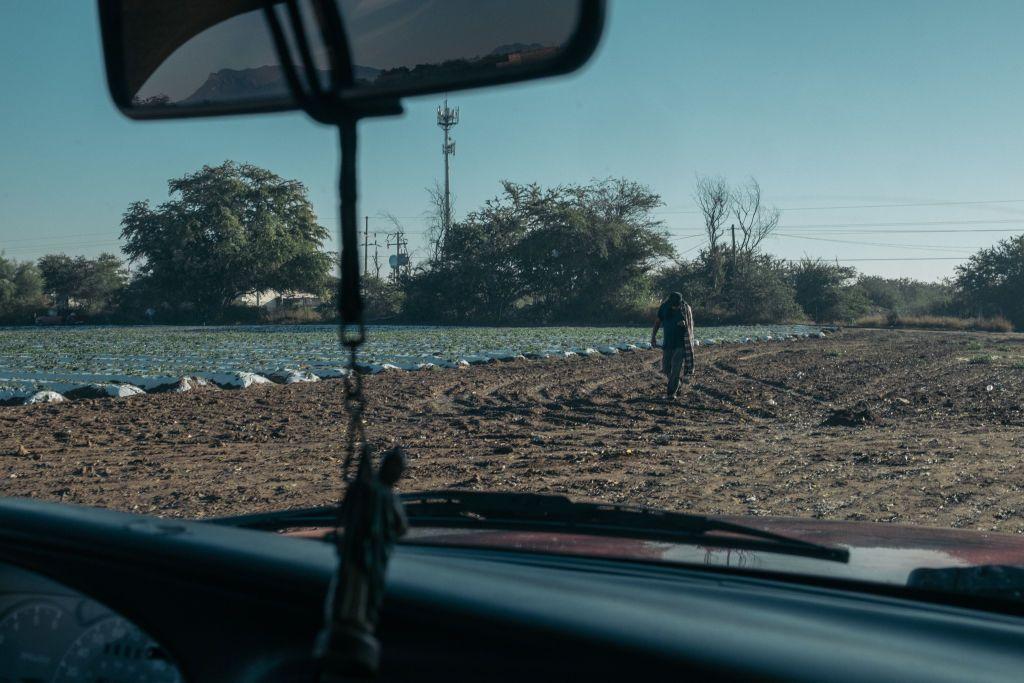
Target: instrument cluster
[50,633]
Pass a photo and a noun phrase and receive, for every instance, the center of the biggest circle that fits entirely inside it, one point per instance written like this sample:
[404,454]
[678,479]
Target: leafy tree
[590,250]
[382,299]
[757,287]
[992,281]
[572,252]
[824,290]
[227,230]
[476,276]
[21,290]
[761,292]
[904,296]
[694,281]
[60,278]
[91,285]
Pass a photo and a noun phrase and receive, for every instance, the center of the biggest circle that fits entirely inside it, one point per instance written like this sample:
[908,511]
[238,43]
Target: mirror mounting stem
[370,516]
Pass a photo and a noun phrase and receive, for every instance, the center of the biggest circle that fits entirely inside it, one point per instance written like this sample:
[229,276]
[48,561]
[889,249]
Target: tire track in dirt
[773,384]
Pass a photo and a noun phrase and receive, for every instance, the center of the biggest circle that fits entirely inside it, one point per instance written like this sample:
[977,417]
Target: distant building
[271,300]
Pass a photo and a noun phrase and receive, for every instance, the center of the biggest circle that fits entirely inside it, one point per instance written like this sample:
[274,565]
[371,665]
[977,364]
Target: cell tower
[447,118]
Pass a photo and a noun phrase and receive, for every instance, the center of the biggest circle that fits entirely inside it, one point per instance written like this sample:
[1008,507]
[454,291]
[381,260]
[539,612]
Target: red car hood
[885,553]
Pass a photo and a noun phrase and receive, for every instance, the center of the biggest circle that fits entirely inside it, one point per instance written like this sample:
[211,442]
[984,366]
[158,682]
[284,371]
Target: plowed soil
[910,427]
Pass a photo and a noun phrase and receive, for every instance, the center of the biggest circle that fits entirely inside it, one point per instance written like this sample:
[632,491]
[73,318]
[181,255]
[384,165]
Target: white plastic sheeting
[104,390]
[236,380]
[293,376]
[45,397]
[331,373]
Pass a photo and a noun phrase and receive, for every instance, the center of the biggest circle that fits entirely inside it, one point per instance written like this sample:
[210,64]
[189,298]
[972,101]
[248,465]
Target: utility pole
[397,262]
[733,229]
[447,118]
[376,257]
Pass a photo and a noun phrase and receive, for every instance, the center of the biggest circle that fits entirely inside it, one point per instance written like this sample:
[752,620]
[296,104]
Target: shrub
[992,281]
[294,316]
[936,322]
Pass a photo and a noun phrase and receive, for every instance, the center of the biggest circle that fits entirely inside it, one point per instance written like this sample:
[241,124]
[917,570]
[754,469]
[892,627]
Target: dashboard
[50,633]
[97,595]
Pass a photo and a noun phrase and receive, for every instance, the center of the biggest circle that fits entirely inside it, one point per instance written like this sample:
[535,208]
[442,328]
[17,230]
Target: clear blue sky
[827,104]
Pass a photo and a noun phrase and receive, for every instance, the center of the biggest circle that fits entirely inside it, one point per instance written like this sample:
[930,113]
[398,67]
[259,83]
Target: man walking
[676,316]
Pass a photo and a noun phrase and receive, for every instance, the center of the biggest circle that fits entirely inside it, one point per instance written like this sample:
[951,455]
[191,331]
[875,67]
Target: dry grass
[937,322]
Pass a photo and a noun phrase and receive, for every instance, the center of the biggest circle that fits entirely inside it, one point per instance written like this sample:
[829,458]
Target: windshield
[755,260]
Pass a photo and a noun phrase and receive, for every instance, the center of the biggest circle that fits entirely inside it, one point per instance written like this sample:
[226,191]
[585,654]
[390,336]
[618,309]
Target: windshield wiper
[543,512]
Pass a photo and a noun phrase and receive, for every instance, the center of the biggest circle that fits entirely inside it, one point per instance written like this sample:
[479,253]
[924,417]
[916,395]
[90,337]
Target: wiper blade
[555,513]
[326,516]
[534,512]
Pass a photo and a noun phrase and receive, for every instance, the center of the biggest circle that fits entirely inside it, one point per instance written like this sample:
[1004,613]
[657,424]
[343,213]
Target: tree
[714,201]
[694,280]
[60,278]
[476,276]
[992,281]
[227,230]
[572,252]
[89,285]
[435,215]
[21,290]
[754,220]
[826,292]
[904,296]
[721,260]
[761,291]
[104,277]
[590,250]
[382,299]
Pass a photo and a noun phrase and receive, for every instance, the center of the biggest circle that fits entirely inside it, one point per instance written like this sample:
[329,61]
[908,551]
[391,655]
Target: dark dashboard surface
[227,604]
[49,632]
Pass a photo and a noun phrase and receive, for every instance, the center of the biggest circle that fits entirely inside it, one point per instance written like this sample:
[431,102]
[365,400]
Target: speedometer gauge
[114,650]
[31,637]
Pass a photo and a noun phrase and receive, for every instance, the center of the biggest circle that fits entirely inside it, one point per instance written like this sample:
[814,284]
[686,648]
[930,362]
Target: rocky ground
[910,427]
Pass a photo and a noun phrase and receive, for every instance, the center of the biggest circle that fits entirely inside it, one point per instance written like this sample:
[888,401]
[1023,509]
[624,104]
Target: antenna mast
[447,118]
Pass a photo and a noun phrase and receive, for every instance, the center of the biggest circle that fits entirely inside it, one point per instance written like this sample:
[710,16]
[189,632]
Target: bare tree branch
[755,220]
[435,219]
[713,198]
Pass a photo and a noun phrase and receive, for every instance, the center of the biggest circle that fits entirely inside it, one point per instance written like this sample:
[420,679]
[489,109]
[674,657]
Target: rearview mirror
[179,58]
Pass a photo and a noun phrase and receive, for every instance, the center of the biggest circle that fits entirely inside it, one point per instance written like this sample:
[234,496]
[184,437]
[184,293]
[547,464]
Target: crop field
[885,426]
[61,357]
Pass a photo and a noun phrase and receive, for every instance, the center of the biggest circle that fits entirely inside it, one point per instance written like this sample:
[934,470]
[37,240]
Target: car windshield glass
[757,262]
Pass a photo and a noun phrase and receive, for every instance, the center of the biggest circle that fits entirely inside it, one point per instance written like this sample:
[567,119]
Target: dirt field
[930,431]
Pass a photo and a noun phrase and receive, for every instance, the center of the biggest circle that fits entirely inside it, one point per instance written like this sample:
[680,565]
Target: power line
[897,224]
[1002,221]
[907,258]
[693,248]
[930,232]
[29,249]
[872,244]
[873,206]
[48,238]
